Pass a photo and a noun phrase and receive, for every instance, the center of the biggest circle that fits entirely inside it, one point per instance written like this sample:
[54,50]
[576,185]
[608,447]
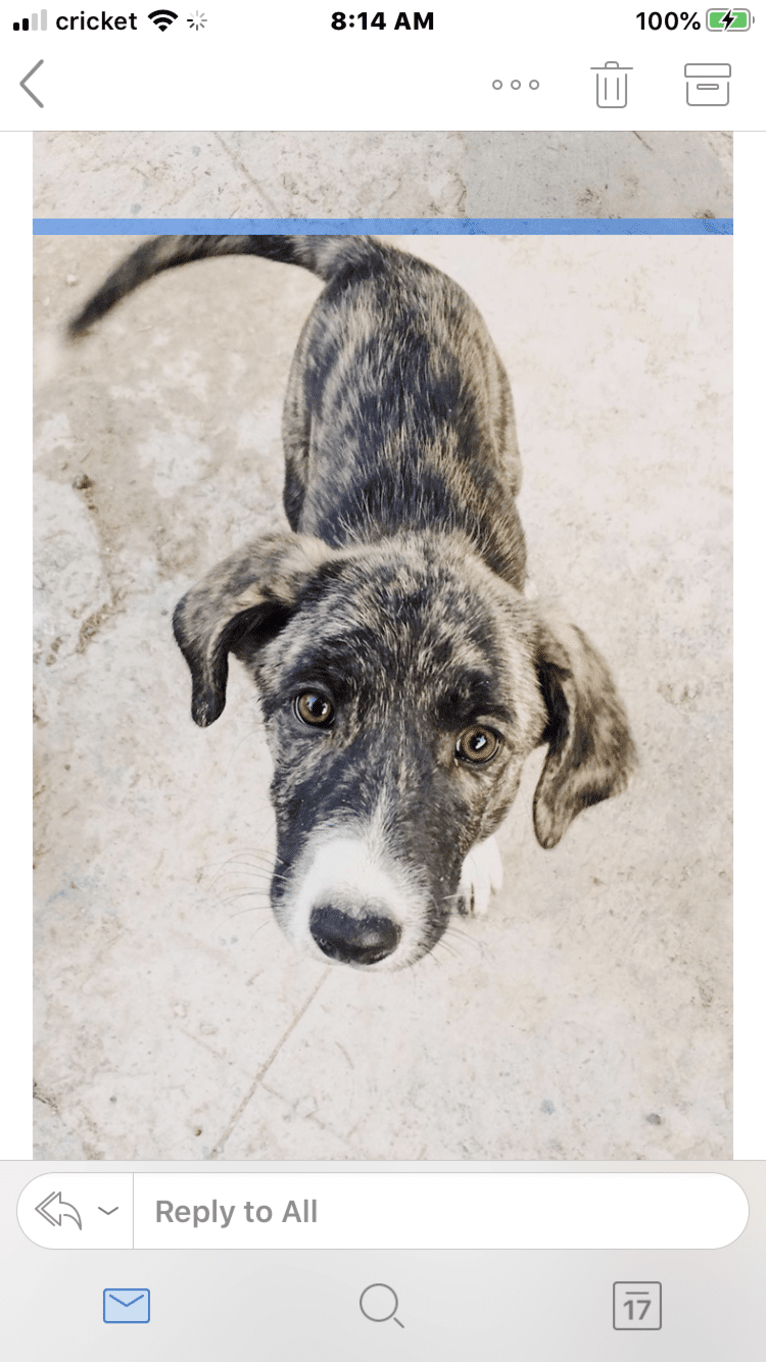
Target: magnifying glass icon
[380,1303]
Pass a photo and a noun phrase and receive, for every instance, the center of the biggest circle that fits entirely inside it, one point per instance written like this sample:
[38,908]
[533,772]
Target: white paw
[482,873]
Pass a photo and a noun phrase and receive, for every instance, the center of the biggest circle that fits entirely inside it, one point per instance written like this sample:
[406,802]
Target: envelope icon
[126,1305]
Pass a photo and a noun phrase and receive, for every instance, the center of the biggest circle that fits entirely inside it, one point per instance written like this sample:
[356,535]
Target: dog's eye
[314,708]
[477,745]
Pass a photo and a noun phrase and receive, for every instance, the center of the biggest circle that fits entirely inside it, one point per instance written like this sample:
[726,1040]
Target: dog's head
[403,685]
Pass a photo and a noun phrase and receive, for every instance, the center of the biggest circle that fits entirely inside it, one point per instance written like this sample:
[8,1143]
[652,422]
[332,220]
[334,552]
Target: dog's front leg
[482,875]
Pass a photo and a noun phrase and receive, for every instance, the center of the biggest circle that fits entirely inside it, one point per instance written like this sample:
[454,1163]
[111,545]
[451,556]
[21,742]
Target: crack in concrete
[217,1148]
[243,170]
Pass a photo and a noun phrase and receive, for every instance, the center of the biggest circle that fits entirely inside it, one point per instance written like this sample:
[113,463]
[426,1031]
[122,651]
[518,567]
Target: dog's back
[398,414]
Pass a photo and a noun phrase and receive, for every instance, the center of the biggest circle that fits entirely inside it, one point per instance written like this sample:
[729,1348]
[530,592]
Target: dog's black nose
[354,940]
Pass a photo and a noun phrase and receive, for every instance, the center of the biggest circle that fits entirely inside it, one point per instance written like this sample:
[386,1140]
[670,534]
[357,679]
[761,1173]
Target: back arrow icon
[44,1209]
[23,84]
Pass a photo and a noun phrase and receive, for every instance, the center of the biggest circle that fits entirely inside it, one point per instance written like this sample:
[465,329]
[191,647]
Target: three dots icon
[515,84]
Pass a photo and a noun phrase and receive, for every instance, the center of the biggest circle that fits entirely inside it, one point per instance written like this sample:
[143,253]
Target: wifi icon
[162,18]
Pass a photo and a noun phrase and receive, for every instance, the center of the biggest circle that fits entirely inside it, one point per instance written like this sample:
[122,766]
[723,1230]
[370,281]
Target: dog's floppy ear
[590,750]
[256,588]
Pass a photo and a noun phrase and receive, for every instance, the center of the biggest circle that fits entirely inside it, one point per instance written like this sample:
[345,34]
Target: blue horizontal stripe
[385,226]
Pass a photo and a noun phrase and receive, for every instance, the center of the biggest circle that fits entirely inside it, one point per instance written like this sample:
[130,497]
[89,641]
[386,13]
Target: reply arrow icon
[48,1212]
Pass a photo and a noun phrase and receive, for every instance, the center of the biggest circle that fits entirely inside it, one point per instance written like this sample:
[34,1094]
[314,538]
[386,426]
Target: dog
[404,672]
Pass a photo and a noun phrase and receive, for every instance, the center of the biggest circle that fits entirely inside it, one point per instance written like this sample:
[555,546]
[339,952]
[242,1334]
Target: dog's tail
[323,255]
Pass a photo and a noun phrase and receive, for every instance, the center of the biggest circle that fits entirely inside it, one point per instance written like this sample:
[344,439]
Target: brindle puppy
[404,675]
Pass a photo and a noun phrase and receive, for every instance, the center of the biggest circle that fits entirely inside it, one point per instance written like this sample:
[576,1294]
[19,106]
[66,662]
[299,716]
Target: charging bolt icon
[729,20]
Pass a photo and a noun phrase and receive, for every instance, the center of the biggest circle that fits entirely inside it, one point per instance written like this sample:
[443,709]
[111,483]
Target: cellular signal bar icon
[31,25]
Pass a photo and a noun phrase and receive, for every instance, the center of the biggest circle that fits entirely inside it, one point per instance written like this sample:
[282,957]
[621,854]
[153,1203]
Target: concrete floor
[387,174]
[588,1016]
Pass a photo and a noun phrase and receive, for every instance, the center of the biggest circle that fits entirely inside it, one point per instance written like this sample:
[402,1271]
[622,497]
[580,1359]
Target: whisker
[243,912]
[252,733]
[461,939]
[429,956]
[268,922]
[242,872]
[235,895]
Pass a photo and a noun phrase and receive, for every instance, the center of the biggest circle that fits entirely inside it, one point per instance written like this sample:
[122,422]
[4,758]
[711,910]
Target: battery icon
[728,20]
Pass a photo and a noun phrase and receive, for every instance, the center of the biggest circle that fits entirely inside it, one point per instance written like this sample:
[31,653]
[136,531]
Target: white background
[267,78]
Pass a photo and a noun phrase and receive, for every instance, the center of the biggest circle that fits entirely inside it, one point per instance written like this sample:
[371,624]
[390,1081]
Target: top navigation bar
[484,66]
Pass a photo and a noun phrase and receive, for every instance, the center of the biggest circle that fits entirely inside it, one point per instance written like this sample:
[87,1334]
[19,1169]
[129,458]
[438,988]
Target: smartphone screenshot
[376,383]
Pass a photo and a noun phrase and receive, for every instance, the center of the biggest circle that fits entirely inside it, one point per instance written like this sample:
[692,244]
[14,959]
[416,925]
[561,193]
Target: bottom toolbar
[369,1297]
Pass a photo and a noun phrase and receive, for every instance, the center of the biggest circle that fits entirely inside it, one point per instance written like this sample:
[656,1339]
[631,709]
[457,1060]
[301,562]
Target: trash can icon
[611,85]
[707,83]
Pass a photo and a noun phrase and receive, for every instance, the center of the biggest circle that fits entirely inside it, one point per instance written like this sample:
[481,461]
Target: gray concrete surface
[588,1016]
[386,174]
